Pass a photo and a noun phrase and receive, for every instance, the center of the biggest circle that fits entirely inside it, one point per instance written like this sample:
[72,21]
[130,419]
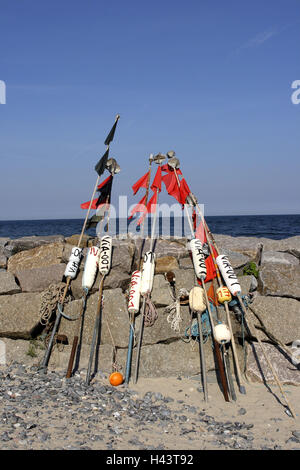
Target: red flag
[210,265]
[140,207]
[157,181]
[172,186]
[151,206]
[184,190]
[141,183]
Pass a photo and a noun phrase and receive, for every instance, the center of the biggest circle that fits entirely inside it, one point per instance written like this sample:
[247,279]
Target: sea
[268,226]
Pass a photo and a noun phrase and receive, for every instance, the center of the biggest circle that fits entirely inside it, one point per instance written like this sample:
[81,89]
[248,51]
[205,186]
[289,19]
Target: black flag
[101,165]
[105,193]
[110,136]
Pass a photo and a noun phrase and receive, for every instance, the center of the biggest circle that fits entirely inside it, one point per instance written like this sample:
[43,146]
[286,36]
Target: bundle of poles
[215,266]
[220,269]
[98,258]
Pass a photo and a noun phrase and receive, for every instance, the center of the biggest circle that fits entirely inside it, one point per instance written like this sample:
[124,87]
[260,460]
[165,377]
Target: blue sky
[208,79]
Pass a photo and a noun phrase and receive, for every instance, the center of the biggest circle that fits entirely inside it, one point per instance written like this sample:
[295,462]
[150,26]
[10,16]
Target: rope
[150,314]
[50,298]
[194,329]
[173,310]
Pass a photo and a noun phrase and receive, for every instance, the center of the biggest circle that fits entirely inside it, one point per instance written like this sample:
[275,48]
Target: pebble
[50,406]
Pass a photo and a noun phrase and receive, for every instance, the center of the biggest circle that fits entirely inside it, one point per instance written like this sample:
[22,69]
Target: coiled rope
[173,310]
[150,313]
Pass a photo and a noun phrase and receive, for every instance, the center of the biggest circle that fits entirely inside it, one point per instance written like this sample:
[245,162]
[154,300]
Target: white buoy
[105,254]
[198,258]
[222,333]
[73,263]
[90,267]
[228,274]
[148,272]
[134,292]
[197,299]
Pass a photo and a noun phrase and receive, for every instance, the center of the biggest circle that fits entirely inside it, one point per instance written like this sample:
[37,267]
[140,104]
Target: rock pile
[29,265]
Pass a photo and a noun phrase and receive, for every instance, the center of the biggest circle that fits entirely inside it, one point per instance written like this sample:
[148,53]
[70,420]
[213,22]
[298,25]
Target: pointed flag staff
[202,233]
[181,194]
[105,257]
[224,297]
[92,259]
[135,283]
[234,287]
[215,300]
[231,281]
[147,275]
[76,255]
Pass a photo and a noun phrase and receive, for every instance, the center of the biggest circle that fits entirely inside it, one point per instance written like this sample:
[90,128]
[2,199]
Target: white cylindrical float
[105,254]
[222,333]
[197,299]
[198,258]
[228,274]
[148,272]
[73,263]
[90,267]
[134,292]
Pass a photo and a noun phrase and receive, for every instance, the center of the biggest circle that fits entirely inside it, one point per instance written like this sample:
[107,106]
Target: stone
[104,357]
[3,261]
[161,330]
[44,255]
[123,255]
[258,369]
[246,245]
[4,241]
[165,264]
[175,248]
[280,280]
[27,243]
[38,279]
[8,284]
[247,283]
[184,278]
[169,360]
[237,260]
[114,314]
[74,239]
[279,257]
[186,263]
[19,312]
[161,294]
[115,279]
[281,317]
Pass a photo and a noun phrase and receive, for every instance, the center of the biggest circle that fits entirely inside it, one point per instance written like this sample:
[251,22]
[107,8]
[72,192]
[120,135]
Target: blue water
[268,226]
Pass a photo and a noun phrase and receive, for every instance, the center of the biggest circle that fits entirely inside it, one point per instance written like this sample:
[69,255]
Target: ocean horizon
[277,226]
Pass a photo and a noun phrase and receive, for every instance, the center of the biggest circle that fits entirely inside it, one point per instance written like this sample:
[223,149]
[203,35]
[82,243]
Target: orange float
[116,378]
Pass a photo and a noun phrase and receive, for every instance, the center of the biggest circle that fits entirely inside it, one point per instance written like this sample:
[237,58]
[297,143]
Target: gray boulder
[38,279]
[258,369]
[279,257]
[280,280]
[19,312]
[281,317]
[27,243]
[8,284]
